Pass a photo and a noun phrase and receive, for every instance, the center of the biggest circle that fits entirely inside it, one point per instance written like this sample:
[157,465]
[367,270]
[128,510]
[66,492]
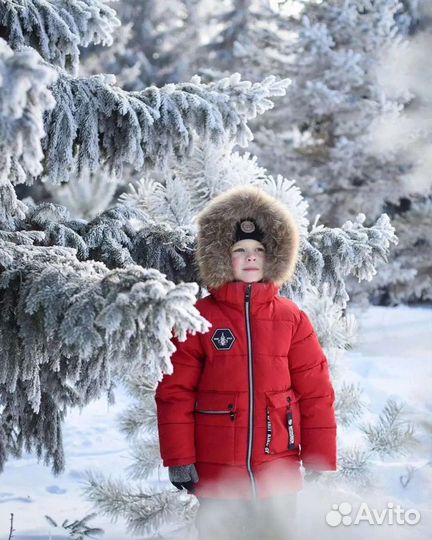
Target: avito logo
[394,514]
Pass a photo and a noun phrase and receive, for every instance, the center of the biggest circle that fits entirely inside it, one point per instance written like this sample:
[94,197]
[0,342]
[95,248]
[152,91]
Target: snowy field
[392,359]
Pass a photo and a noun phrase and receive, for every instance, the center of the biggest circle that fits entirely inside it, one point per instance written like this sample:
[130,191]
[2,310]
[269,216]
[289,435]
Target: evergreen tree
[405,71]
[357,138]
[80,299]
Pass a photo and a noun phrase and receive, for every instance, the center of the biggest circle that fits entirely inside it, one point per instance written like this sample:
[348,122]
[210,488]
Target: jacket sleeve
[175,402]
[310,379]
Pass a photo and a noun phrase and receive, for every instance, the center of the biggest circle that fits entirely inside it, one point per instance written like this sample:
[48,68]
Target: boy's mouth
[249,269]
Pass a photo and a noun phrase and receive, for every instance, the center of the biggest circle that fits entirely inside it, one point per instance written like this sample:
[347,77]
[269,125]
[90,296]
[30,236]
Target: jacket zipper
[251,391]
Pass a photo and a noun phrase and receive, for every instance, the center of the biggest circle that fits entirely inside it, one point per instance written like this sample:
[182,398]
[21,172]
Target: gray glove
[183,476]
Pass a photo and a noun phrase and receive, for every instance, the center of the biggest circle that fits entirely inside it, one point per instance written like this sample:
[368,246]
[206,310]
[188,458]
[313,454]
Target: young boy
[251,399]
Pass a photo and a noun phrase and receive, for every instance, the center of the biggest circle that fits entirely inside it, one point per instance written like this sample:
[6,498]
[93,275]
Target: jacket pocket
[282,422]
[215,415]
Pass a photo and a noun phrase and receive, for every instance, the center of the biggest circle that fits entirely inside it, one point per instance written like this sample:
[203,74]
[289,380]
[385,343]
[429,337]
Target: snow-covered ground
[392,359]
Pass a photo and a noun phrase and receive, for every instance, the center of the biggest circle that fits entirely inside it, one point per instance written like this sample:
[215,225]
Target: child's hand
[183,476]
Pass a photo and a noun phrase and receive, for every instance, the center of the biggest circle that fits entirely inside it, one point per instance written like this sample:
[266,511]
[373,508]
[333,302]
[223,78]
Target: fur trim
[216,226]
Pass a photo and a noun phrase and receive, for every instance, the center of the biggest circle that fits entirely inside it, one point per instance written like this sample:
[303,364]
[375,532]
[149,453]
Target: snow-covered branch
[391,434]
[111,238]
[96,123]
[24,98]
[66,325]
[144,510]
[331,254]
[56,28]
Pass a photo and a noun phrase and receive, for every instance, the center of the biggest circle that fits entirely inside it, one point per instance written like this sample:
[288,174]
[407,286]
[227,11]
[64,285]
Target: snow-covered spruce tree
[328,256]
[70,316]
[54,30]
[91,114]
[318,132]
[251,38]
[129,130]
[157,46]
[348,112]
[406,69]
[408,276]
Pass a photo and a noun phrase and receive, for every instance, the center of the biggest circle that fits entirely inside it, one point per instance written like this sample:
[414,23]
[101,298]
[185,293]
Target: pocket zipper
[230,412]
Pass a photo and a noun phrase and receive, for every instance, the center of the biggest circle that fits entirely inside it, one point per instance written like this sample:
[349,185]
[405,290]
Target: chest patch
[223,339]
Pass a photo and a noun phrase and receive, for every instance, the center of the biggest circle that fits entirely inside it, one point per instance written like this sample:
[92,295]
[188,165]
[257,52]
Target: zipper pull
[290,421]
[291,433]
[232,413]
[248,292]
[268,432]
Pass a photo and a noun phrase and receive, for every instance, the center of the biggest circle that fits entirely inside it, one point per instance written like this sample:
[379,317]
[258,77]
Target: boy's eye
[242,250]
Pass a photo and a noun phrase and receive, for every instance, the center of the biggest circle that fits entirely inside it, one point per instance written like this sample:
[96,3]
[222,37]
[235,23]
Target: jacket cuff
[319,466]
[179,461]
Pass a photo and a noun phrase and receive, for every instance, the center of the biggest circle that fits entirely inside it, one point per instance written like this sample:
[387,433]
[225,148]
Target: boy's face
[247,260]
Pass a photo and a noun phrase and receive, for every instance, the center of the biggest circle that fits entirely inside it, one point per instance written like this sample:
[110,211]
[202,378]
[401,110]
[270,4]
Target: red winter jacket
[249,399]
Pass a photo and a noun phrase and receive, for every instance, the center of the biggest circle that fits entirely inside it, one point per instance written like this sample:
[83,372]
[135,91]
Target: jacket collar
[233,292]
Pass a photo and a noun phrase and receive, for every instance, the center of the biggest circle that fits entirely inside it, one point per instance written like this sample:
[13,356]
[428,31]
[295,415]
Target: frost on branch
[145,510]
[119,236]
[24,98]
[98,124]
[331,254]
[391,434]
[57,28]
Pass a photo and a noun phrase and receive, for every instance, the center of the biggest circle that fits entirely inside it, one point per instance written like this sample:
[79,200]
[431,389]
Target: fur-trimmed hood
[216,226]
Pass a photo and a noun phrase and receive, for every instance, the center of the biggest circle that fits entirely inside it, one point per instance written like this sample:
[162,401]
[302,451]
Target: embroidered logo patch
[223,339]
[247,226]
